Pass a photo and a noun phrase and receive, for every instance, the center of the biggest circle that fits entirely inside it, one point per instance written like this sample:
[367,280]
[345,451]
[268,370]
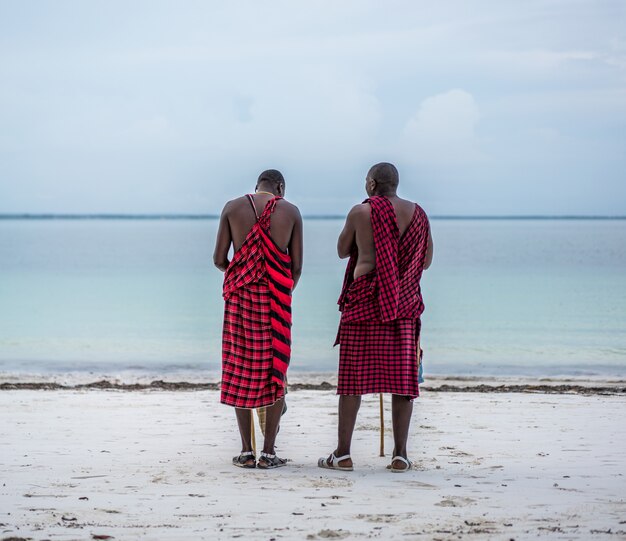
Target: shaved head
[385,176]
[271,176]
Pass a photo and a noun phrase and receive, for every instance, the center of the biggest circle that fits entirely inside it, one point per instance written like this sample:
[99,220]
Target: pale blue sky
[148,106]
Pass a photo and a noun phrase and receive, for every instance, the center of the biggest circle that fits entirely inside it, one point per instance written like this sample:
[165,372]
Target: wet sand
[85,463]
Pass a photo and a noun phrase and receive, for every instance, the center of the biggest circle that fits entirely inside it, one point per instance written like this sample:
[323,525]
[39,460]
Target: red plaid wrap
[256,339]
[380,326]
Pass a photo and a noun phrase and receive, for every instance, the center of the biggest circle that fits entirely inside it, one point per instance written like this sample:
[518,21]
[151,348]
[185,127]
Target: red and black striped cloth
[256,338]
[380,311]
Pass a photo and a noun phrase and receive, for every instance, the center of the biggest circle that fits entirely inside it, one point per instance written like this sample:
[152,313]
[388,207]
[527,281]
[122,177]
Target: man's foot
[245,460]
[342,463]
[269,462]
[399,464]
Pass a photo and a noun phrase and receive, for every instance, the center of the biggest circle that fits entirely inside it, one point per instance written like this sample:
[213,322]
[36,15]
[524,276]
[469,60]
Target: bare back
[358,231]
[238,218]
[241,218]
[366,260]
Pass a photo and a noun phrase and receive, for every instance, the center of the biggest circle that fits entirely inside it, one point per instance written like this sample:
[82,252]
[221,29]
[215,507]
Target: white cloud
[443,131]
[122,97]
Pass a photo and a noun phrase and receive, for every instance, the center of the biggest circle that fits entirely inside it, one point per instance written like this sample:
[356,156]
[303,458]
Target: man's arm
[296,248]
[347,238]
[429,251]
[223,242]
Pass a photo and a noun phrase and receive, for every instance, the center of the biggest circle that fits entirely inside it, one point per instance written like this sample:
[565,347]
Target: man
[389,243]
[266,234]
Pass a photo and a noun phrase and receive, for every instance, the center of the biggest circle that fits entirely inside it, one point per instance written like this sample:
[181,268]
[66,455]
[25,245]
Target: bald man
[389,244]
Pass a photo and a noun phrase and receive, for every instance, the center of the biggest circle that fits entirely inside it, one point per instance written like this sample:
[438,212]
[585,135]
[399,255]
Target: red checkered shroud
[380,311]
[256,339]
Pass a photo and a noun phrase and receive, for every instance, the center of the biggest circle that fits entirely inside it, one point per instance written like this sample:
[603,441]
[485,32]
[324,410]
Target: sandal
[269,462]
[408,464]
[334,463]
[243,460]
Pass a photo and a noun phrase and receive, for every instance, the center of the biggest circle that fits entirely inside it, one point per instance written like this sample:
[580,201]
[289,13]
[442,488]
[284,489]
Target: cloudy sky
[486,107]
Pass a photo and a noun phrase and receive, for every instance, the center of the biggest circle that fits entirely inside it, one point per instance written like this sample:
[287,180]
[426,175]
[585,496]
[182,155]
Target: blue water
[503,297]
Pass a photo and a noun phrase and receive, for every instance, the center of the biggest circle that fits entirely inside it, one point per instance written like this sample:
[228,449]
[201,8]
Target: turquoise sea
[503,297]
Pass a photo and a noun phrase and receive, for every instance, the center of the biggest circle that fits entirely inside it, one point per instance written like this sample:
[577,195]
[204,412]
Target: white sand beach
[101,464]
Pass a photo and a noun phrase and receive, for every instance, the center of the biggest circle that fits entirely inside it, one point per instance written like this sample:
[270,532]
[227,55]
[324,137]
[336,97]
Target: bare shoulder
[407,203]
[234,204]
[360,213]
[418,208]
[361,210]
[411,208]
[288,208]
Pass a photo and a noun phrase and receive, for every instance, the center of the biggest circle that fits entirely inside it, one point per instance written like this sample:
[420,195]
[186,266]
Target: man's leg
[244,420]
[273,414]
[401,411]
[348,409]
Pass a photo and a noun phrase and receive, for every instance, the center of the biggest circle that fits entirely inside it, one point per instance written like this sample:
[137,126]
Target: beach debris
[83,498]
[385,518]
[554,529]
[68,519]
[454,501]
[565,388]
[101,536]
[332,534]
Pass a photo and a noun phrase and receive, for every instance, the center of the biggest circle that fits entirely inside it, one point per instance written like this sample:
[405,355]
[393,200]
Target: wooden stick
[261,414]
[382,426]
[419,353]
[252,438]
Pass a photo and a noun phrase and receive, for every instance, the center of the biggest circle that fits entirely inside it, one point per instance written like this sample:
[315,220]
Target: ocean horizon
[186,216]
[505,296]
